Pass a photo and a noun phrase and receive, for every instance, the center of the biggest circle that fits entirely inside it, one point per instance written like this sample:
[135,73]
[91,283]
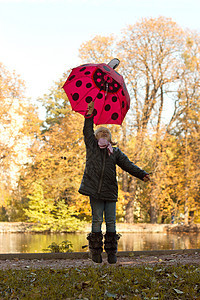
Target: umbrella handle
[114,63]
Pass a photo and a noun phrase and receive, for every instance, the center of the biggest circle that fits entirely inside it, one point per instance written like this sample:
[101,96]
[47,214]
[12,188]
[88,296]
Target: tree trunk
[129,216]
[186,212]
[153,213]
[186,208]
[124,181]
[129,210]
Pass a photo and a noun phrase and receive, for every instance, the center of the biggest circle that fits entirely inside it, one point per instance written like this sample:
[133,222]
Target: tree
[49,215]
[13,142]
[188,122]
[153,56]
[57,166]
[152,68]
[98,50]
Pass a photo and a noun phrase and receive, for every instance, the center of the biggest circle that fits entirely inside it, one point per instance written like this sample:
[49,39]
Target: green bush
[64,246]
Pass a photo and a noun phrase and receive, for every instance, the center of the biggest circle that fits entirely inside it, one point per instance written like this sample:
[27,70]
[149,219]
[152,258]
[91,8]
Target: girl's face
[103,133]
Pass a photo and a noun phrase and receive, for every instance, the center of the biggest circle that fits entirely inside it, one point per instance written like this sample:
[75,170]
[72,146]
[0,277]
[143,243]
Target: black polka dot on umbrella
[87,73]
[123,104]
[94,112]
[100,96]
[123,93]
[114,116]
[71,77]
[114,99]
[88,99]
[78,83]
[82,69]
[75,96]
[88,85]
[107,107]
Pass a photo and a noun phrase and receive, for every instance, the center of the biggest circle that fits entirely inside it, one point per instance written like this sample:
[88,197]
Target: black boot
[96,245]
[110,246]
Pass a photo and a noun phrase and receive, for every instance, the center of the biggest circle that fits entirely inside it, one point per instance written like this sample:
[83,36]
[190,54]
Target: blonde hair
[104,128]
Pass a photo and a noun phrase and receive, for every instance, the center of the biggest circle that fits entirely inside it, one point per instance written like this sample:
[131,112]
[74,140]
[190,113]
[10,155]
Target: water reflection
[35,243]
[158,241]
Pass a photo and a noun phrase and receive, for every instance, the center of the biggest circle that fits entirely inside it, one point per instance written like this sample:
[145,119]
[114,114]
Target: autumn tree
[187,126]
[98,50]
[153,63]
[152,68]
[54,174]
[13,142]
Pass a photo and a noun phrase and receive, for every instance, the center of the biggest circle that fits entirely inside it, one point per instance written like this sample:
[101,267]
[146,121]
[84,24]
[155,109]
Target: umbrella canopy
[101,84]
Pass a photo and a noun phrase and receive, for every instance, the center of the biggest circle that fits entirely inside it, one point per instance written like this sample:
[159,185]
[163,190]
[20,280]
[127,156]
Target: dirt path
[173,259]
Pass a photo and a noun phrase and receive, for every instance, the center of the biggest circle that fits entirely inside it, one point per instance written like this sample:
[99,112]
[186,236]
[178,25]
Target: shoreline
[87,255]
[23,227]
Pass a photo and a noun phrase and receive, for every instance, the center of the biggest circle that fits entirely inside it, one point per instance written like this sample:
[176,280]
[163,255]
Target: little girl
[100,184]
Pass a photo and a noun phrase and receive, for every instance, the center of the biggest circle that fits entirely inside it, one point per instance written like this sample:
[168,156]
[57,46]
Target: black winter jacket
[99,178]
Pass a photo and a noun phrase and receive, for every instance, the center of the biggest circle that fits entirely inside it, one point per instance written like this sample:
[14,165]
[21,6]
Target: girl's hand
[90,108]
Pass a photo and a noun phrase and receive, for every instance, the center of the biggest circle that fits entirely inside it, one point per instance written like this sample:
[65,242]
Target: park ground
[188,258]
[134,277]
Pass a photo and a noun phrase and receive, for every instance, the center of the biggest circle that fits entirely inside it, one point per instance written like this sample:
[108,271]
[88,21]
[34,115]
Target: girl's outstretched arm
[125,164]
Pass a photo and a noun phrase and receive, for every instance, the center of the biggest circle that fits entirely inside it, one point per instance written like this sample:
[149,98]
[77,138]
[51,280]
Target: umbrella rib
[120,109]
[102,109]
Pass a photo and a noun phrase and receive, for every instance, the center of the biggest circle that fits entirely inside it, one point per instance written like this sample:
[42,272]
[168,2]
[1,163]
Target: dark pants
[100,208]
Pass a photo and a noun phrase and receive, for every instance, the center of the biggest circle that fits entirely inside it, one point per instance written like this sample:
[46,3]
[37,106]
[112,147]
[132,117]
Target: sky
[40,39]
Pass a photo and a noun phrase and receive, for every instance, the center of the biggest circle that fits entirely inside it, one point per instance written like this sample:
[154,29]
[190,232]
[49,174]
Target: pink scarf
[103,143]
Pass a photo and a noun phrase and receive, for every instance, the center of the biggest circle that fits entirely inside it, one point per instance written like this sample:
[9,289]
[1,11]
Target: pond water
[35,243]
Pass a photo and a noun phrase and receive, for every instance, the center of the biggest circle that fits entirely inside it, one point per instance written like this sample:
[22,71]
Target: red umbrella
[101,84]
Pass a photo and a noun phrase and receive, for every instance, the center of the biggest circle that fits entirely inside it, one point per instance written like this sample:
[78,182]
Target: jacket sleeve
[125,164]
[88,131]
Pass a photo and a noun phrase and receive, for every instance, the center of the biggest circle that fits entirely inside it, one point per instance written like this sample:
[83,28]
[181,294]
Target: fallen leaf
[110,295]
[178,291]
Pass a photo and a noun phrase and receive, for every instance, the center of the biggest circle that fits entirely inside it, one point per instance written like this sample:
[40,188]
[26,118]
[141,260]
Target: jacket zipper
[102,172]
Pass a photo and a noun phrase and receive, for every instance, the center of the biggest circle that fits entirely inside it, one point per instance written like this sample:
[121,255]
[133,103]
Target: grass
[102,282]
